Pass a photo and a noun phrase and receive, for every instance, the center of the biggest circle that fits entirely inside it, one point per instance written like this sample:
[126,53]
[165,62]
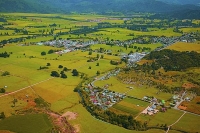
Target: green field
[30,123]
[130,106]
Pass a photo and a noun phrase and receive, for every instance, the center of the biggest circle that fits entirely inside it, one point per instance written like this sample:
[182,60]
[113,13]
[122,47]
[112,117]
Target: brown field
[188,85]
[141,62]
[192,106]
[182,46]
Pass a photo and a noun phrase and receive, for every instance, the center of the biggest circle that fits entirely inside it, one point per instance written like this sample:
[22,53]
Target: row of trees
[4,55]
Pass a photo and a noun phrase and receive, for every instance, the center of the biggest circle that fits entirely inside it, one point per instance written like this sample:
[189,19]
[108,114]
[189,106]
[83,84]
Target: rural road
[25,87]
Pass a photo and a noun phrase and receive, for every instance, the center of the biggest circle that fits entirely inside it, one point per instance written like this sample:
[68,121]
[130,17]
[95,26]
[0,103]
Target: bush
[5,73]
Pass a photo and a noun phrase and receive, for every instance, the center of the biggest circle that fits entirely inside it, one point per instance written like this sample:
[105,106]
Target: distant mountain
[100,6]
[182,2]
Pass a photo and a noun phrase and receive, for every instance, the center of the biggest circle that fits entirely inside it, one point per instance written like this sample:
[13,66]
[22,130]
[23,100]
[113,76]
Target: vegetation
[172,60]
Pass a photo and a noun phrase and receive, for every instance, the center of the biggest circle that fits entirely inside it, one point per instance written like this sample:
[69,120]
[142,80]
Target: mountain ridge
[64,6]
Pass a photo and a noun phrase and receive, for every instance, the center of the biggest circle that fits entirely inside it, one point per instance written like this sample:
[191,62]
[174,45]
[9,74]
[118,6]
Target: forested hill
[172,60]
[99,6]
[36,6]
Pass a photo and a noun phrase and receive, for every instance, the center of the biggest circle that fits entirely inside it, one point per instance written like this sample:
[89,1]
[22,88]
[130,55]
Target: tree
[97,64]
[50,51]
[2,90]
[43,53]
[75,72]
[98,73]
[60,66]
[48,64]
[102,56]
[55,74]
[98,56]
[14,102]
[2,115]
[65,69]
[90,67]
[90,53]
[63,75]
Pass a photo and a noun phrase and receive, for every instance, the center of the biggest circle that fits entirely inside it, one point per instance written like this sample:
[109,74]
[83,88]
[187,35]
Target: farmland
[30,65]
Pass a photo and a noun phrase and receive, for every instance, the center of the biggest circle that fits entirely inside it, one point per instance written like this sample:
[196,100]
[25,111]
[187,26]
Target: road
[10,93]
[181,100]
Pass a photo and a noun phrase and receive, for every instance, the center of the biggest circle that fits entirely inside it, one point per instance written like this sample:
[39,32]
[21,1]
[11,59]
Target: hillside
[125,6]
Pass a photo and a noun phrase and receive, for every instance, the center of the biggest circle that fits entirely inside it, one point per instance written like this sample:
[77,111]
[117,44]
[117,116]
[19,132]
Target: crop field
[181,46]
[30,123]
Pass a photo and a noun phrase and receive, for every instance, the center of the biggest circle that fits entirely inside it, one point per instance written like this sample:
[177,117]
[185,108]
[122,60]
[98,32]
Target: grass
[30,123]
[182,46]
